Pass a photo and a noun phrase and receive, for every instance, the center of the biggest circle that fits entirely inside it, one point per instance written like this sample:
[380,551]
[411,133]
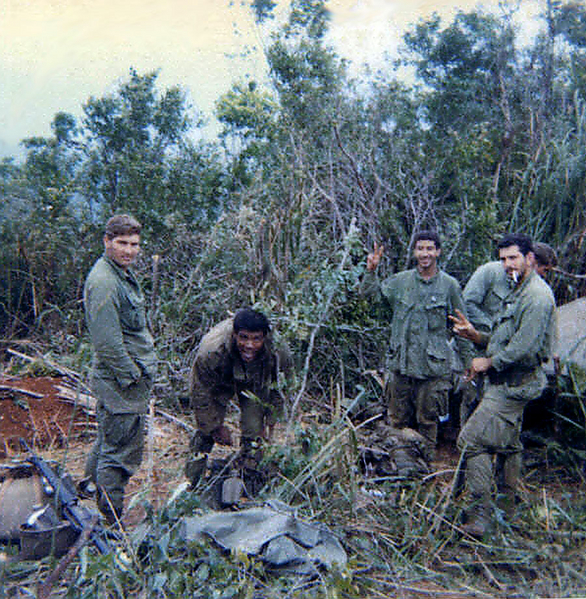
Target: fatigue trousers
[117,452]
[495,429]
[210,411]
[417,403]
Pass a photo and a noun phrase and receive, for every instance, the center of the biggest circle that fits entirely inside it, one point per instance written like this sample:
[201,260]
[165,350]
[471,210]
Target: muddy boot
[110,508]
[199,448]
[477,520]
[251,455]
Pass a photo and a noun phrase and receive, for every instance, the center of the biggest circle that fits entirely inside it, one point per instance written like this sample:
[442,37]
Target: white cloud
[55,54]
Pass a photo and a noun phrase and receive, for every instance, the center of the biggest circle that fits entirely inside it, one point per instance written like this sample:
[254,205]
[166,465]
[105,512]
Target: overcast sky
[55,54]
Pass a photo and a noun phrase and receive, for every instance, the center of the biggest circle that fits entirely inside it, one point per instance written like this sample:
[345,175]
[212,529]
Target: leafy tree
[262,9]
[131,136]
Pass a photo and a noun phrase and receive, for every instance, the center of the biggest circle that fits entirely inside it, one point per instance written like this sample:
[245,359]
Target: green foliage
[262,9]
[309,17]
[280,212]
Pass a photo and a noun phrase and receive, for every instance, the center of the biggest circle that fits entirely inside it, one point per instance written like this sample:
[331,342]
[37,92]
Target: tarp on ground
[274,533]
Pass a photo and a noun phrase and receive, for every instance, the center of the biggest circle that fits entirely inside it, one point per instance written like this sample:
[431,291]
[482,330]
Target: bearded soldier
[517,346]
[483,297]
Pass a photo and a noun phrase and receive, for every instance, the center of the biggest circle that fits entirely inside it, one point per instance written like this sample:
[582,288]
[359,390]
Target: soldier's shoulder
[100,274]
[403,277]
[542,289]
[449,280]
[217,339]
[494,268]
[488,273]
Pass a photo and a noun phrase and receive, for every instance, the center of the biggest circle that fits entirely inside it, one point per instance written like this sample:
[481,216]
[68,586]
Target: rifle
[80,518]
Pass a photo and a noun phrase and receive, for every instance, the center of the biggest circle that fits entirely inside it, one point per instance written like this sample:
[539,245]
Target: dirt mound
[44,411]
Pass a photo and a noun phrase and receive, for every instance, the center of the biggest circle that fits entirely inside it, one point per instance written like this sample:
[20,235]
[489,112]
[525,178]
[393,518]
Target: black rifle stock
[78,516]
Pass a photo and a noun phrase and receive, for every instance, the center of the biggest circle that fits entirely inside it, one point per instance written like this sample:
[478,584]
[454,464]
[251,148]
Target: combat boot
[199,448]
[251,452]
[478,520]
[251,455]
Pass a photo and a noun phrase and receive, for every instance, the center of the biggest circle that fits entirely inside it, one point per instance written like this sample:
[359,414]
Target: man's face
[516,265]
[542,269]
[249,344]
[426,254]
[123,249]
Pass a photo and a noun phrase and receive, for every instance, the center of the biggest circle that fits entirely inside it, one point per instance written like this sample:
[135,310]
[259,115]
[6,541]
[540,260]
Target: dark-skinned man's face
[249,344]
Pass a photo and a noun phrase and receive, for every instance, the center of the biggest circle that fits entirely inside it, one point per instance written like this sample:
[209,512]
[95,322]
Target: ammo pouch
[514,377]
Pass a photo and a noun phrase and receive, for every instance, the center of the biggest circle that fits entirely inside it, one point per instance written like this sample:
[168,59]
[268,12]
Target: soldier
[420,361]
[124,363]
[483,296]
[545,258]
[237,357]
[515,350]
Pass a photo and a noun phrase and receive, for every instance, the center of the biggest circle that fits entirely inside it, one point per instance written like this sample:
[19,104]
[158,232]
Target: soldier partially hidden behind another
[236,358]
[124,364]
[519,343]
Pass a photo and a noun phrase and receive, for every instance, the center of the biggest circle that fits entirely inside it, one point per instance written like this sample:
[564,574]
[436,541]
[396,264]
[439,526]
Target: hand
[480,365]
[373,259]
[463,327]
[468,375]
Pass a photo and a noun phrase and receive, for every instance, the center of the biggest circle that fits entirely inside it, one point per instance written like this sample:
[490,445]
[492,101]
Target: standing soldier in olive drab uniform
[519,343]
[124,363]
[483,297]
[236,358]
[421,358]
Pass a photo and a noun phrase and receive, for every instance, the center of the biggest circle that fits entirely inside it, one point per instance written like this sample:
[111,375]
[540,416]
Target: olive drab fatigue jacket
[218,373]
[123,345]
[484,294]
[420,329]
[523,330]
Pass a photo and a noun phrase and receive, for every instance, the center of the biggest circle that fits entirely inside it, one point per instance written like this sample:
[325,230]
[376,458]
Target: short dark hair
[122,224]
[427,235]
[545,254]
[250,320]
[522,241]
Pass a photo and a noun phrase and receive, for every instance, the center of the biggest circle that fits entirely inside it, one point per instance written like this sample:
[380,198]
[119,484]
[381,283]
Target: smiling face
[249,344]
[122,249]
[426,254]
[515,263]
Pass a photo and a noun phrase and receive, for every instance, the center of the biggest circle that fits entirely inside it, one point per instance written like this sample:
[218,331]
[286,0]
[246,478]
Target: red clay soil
[64,433]
[32,409]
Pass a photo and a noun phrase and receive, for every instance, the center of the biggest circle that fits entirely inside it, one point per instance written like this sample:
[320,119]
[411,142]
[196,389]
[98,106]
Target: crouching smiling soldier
[236,358]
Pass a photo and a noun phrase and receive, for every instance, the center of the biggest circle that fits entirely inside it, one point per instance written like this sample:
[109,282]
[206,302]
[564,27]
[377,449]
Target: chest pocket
[505,324]
[401,313]
[132,312]
[436,310]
